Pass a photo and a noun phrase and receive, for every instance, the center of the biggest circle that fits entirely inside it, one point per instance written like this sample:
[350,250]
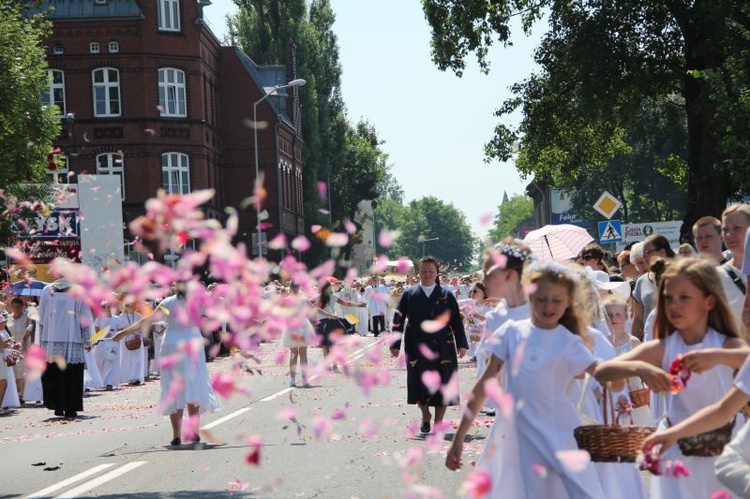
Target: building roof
[60,10]
[267,78]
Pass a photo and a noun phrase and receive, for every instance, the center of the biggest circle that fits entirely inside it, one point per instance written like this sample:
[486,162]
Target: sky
[434,124]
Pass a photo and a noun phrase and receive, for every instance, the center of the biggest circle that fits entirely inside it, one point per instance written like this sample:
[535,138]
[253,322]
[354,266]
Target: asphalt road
[344,444]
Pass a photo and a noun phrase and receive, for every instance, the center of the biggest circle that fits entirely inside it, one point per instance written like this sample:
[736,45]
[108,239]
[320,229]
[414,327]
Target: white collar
[427,289]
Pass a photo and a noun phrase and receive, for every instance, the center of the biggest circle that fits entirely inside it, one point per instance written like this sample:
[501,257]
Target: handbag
[133,344]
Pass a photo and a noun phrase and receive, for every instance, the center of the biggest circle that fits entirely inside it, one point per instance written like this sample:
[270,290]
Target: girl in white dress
[132,362]
[107,351]
[693,321]
[502,270]
[297,339]
[474,310]
[542,355]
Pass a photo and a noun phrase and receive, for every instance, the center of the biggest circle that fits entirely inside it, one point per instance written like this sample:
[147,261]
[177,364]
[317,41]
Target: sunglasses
[589,257]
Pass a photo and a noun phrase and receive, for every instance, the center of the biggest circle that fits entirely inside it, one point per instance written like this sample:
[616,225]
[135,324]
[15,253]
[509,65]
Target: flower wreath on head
[556,268]
[515,251]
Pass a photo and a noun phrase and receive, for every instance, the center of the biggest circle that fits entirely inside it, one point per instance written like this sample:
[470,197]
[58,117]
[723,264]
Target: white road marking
[96,482]
[70,481]
[277,394]
[225,418]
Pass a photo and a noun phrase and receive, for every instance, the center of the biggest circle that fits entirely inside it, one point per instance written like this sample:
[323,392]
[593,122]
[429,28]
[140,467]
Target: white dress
[702,390]
[107,352]
[132,362]
[544,423]
[92,378]
[186,380]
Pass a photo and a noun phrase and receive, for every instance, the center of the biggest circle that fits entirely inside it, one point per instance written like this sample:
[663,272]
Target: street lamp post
[425,240]
[294,83]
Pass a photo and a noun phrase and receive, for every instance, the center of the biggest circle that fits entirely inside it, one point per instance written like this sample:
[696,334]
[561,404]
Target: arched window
[106,83]
[54,95]
[172,92]
[112,163]
[175,173]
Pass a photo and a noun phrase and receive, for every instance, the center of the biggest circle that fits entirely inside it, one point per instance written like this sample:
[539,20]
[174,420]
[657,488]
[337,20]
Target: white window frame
[168,14]
[172,92]
[175,172]
[58,49]
[113,47]
[112,163]
[62,171]
[107,87]
[95,48]
[48,97]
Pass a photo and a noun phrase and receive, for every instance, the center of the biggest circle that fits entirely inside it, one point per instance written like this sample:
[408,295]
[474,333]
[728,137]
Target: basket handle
[607,396]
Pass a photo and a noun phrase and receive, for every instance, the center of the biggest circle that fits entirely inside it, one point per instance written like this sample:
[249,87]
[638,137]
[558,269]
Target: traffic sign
[610,231]
[607,205]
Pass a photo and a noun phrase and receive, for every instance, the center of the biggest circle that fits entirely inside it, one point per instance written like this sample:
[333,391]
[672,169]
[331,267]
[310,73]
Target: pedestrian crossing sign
[610,231]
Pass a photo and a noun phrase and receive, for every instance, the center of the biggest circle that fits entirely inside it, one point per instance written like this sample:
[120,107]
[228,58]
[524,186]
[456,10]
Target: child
[474,310]
[106,350]
[543,355]
[297,340]
[692,315]
[502,270]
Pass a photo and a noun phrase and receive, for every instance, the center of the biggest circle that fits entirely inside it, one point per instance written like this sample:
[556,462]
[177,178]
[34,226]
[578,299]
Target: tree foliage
[420,223]
[510,216]
[602,63]
[26,128]
[336,152]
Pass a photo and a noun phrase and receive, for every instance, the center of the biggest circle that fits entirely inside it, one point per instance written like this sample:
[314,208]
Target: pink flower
[223,384]
[477,484]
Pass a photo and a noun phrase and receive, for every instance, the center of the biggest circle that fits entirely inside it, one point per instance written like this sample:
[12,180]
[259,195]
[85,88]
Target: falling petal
[278,242]
[36,362]
[721,494]
[574,461]
[337,240]
[322,190]
[321,426]
[530,288]
[349,226]
[435,325]
[539,470]
[287,414]
[223,384]
[477,484]
[315,228]
[403,265]
[386,238]
[427,352]
[485,219]
[503,401]
[450,390]
[301,243]
[150,131]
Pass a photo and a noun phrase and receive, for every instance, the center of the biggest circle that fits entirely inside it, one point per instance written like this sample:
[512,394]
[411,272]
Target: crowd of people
[661,332]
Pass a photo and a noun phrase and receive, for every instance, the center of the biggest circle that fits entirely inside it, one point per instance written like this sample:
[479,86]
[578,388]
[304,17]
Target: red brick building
[147,92]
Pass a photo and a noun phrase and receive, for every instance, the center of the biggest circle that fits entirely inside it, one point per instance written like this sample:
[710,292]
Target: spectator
[707,236]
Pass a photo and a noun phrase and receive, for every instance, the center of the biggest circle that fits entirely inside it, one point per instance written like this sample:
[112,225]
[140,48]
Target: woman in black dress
[430,350]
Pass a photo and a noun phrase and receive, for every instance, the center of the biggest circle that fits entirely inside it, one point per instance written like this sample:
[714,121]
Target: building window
[169,15]
[106,92]
[54,94]
[172,92]
[62,171]
[94,47]
[58,49]
[114,47]
[175,174]
[112,163]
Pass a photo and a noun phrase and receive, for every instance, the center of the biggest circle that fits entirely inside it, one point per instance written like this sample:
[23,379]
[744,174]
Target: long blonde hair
[558,273]
[704,276]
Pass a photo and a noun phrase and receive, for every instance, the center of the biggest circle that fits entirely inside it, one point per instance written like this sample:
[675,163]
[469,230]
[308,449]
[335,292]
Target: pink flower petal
[322,190]
[435,325]
[349,226]
[386,238]
[300,243]
[574,461]
[477,484]
[539,470]
[278,242]
[315,228]
[337,240]
[427,352]
[431,380]
[485,218]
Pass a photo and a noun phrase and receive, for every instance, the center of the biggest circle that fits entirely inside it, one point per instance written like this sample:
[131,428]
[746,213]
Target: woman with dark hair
[430,351]
[594,256]
[329,323]
[644,293]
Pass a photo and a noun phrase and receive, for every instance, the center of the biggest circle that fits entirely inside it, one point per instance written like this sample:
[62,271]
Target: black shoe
[59,413]
[71,415]
[176,442]
[425,428]
[109,388]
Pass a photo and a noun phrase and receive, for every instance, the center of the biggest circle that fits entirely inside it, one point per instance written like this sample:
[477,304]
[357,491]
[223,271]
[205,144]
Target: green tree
[600,61]
[510,215]
[26,128]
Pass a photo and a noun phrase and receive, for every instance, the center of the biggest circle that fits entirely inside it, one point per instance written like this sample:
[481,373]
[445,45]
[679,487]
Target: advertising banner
[633,233]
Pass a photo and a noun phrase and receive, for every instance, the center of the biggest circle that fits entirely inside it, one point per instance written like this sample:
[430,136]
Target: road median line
[101,480]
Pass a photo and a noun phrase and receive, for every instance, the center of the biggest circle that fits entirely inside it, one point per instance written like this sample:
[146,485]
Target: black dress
[413,309]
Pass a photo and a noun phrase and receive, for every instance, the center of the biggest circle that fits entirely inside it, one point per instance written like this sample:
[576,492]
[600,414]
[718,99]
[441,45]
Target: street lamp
[425,240]
[294,83]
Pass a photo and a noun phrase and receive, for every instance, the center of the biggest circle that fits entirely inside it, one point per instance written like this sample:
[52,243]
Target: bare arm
[643,361]
[707,419]
[475,403]
[733,354]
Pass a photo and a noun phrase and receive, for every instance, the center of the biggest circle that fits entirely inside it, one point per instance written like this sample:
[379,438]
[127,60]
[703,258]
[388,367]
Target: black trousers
[378,324]
[63,389]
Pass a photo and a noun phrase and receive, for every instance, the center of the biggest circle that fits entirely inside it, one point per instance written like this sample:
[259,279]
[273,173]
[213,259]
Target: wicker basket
[611,443]
[707,444]
[639,398]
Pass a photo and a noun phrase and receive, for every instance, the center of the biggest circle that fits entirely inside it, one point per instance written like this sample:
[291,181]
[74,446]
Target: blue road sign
[610,231]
